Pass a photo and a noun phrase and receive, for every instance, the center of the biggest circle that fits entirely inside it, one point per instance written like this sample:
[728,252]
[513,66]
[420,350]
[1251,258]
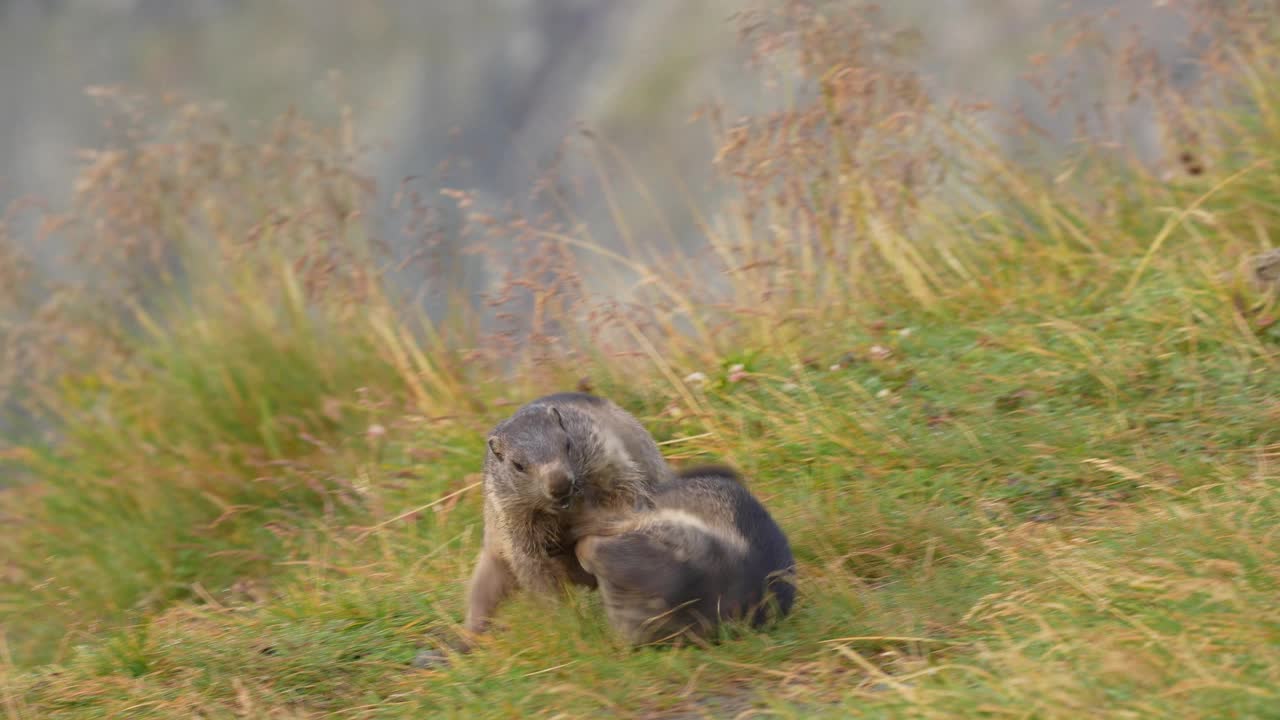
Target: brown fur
[553,464]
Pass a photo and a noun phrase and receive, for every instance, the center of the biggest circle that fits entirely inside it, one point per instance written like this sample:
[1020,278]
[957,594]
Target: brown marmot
[707,551]
[553,463]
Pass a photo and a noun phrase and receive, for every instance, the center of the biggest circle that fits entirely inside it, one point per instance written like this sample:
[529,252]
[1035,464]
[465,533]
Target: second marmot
[708,551]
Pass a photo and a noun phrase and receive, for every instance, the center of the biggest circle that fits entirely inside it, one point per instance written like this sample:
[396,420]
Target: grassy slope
[1043,515]
[1027,461]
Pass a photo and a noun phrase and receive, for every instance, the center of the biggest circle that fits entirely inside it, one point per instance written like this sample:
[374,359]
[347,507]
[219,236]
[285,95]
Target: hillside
[1020,427]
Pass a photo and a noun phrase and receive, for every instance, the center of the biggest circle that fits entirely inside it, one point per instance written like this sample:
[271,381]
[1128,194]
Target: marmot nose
[560,485]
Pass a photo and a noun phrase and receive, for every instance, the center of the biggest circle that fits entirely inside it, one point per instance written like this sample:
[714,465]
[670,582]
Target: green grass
[1026,456]
[1069,552]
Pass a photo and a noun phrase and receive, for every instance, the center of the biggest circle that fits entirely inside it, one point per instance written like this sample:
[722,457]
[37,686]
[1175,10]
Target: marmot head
[551,459]
[530,456]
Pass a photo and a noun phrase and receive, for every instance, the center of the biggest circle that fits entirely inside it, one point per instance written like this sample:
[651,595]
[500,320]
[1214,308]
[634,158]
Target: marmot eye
[568,445]
[517,466]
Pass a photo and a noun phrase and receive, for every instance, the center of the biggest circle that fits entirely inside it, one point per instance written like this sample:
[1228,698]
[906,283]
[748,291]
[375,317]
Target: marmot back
[708,551]
[553,463]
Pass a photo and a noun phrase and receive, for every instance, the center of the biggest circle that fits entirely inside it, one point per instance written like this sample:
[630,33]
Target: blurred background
[481,96]
[493,86]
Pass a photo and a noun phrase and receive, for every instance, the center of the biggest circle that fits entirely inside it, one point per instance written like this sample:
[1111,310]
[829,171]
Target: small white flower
[905,332]
[737,368]
[696,378]
[884,393]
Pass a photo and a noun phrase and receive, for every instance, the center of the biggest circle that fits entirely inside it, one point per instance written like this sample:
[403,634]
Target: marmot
[707,551]
[552,464]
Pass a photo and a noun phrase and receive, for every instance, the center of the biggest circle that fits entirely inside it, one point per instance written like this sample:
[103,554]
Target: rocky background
[492,85]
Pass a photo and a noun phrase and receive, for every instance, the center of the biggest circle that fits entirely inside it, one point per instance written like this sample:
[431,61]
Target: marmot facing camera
[556,462]
[706,552]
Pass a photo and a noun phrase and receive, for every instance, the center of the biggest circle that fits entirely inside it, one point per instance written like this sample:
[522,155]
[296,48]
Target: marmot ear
[556,411]
[495,446]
